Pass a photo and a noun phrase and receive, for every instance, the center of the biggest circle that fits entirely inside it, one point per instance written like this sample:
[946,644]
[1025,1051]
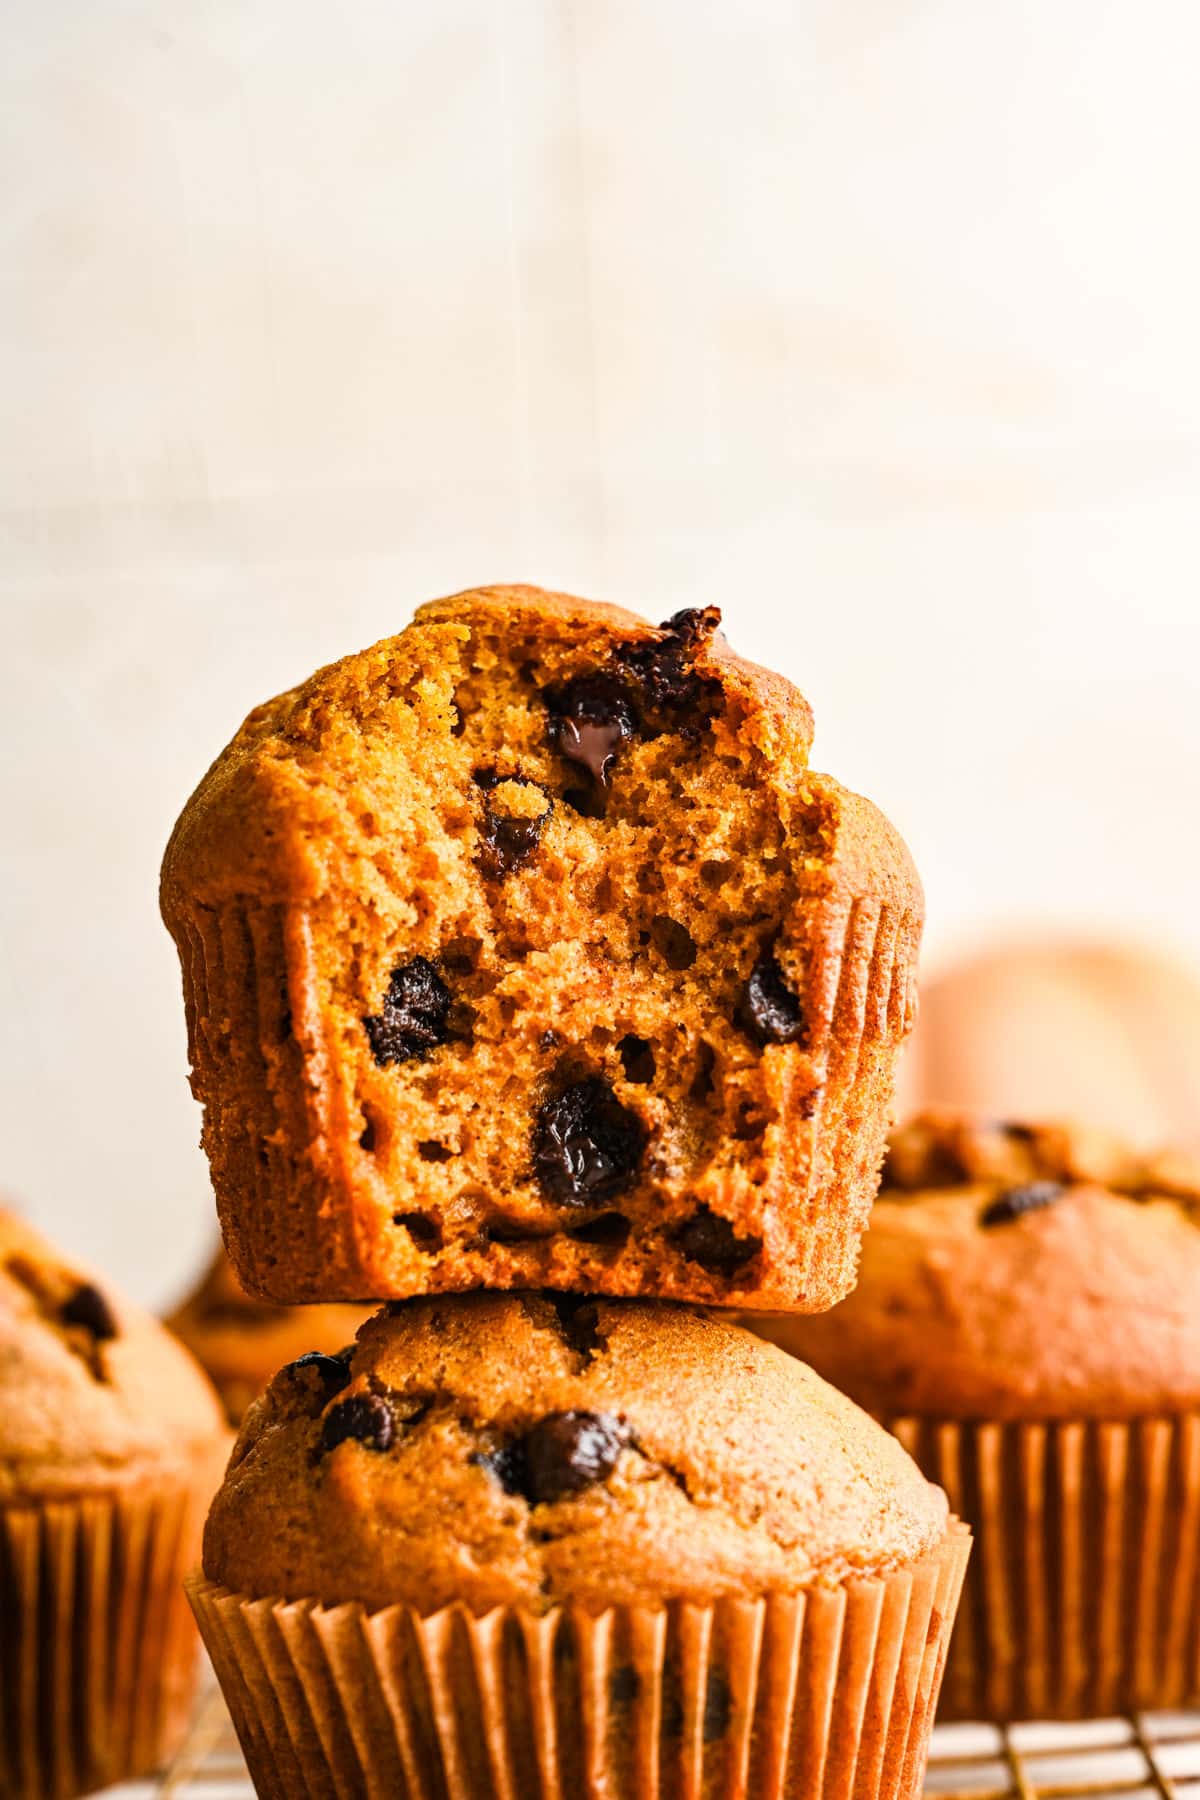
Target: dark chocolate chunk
[1016,1201]
[589,719]
[333,1372]
[671,694]
[711,1241]
[561,1455]
[769,1011]
[586,1145]
[412,1019]
[88,1307]
[505,842]
[568,1451]
[367,1418]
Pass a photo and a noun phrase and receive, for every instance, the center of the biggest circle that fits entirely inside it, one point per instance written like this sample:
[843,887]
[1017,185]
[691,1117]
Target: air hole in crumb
[461,955]
[425,1232]
[747,1123]
[603,897]
[610,1231]
[429,1150]
[673,941]
[638,1060]
[368,823]
[714,874]
[702,1081]
[366,1136]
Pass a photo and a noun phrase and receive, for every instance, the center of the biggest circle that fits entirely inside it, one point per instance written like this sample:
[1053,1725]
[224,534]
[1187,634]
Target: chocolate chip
[88,1307]
[711,1241]
[1014,1202]
[569,1451]
[671,693]
[367,1418]
[586,1145]
[505,841]
[768,1010]
[589,719]
[718,1706]
[333,1372]
[562,1454]
[412,1020]
[637,1059]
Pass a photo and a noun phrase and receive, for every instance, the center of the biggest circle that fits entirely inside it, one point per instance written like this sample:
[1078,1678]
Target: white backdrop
[873,321]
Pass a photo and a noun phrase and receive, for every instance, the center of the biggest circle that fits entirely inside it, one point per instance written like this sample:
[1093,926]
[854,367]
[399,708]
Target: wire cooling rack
[1153,1754]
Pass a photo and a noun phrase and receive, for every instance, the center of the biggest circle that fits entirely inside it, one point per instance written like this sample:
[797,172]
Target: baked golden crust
[536,1449]
[240,1343]
[559,846]
[94,1394]
[1015,1272]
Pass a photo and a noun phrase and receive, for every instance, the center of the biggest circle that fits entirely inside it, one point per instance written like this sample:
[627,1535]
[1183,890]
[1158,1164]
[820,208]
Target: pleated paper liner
[825,1693]
[1082,1599]
[98,1653]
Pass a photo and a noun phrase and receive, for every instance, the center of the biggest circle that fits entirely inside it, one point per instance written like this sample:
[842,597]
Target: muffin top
[1015,1272]
[94,1393]
[529,1449]
[241,1342]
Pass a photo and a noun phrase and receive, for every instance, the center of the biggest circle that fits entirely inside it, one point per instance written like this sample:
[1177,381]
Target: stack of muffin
[537,987]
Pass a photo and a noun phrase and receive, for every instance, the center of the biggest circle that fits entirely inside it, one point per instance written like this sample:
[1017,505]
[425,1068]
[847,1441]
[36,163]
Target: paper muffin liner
[98,1653]
[1083,1598]
[829,1692]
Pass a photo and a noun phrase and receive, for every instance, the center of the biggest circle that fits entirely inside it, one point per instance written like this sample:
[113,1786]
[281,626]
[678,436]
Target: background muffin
[111,1442]
[1027,1320]
[685,1529]
[524,949]
[242,1342]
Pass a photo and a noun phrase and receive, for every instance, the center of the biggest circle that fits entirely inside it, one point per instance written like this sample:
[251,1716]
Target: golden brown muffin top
[94,1393]
[532,1449]
[1016,1271]
[241,1342]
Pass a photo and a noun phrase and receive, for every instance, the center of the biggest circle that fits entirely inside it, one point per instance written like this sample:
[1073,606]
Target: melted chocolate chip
[505,842]
[333,1372]
[1014,1202]
[768,1010]
[569,1451]
[88,1307]
[711,1241]
[669,689]
[367,1418]
[589,719]
[412,1020]
[586,1145]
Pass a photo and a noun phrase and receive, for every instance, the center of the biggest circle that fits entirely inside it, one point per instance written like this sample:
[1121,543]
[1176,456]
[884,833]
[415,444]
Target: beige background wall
[873,321]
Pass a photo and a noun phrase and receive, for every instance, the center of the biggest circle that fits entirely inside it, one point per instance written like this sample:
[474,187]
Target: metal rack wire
[1152,1754]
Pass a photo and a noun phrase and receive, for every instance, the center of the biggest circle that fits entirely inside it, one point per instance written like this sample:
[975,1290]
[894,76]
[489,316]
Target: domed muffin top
[1016,1271]
[531,1449]
[241,1342]
[94,1393]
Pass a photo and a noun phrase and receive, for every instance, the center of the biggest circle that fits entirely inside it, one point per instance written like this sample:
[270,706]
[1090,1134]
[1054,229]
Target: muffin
[524,949]
[241,1342]
[111,1443]
[520,1540]
[1027,1321]
[1063,1028]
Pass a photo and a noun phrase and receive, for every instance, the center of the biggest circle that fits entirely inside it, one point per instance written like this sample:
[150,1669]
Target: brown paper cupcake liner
[1082,1599]
[825,1693]
[97,1651]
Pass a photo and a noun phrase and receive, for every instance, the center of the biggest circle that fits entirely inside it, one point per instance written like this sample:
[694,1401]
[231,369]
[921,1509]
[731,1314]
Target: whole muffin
[524,949]
[111,1443]
[1027,1320]
[241,1342]
[611,1536]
